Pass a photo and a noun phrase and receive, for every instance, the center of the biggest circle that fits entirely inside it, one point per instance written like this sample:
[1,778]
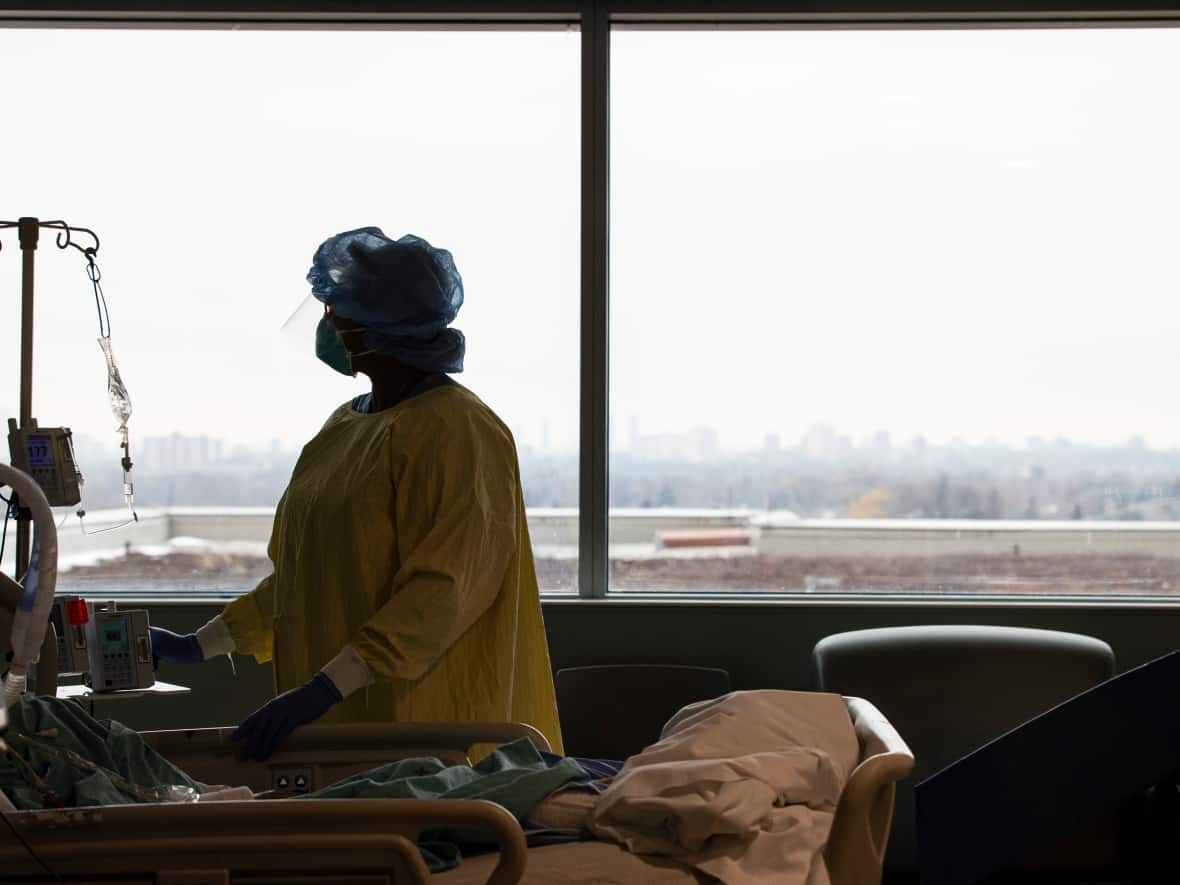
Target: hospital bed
[372,841]
[367,841]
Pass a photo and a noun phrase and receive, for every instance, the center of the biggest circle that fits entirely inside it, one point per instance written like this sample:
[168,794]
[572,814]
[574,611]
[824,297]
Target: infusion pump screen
[40,451]
[114,636]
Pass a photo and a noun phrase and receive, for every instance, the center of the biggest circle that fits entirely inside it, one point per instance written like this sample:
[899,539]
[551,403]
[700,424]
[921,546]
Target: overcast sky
[939,233]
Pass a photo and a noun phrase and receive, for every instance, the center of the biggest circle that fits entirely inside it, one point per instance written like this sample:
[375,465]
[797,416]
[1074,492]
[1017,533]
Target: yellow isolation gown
[402,533]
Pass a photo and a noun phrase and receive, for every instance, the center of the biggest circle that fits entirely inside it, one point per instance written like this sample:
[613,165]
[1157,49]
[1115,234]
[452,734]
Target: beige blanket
[742,788]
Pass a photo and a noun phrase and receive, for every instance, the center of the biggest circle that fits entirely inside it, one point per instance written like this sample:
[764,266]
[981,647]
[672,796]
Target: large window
[895,310]
[881,310]
[212,163]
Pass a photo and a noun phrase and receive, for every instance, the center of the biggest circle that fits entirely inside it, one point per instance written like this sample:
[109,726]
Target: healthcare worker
[403,586]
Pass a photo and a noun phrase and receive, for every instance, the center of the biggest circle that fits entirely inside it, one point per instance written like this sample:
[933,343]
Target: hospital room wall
[762,645]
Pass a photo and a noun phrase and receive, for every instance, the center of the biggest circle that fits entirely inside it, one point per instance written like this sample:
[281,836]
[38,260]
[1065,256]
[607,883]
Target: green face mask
[329,347]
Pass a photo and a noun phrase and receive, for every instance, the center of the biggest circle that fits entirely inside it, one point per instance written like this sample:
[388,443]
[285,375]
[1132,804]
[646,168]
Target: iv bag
[120,399]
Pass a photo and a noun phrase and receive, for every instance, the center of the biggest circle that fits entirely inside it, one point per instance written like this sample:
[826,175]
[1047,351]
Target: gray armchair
[950,689]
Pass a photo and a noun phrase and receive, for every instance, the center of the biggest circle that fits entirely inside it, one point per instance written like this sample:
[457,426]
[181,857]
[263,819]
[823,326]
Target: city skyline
[630,435]
[821,439]
[817,477]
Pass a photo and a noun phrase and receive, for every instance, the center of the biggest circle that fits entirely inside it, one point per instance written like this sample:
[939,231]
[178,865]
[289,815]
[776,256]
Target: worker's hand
[174,648]
[270,725]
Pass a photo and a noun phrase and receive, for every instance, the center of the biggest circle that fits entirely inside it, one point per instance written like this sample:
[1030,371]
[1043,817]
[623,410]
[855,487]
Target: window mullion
[593,485]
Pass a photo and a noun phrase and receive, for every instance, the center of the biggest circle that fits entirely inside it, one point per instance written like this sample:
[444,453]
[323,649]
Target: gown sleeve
[250,617]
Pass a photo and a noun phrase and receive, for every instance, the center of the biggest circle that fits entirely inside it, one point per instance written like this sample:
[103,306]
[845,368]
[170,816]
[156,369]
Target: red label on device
[77,612]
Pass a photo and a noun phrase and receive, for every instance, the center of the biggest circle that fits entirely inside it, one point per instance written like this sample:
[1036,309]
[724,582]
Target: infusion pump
[47,455]
[110,646]
[69,617]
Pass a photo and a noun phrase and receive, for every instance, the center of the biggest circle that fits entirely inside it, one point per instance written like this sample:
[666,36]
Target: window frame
[597,19]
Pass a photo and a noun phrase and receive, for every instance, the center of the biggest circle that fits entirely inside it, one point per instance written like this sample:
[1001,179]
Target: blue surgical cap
[405,293]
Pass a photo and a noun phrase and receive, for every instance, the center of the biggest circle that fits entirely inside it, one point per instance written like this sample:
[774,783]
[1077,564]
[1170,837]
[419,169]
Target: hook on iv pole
[65,235]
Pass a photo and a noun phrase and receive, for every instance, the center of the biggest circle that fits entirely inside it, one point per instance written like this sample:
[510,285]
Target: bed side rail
[327,840]
[458,736]
[318,755]
[860,831]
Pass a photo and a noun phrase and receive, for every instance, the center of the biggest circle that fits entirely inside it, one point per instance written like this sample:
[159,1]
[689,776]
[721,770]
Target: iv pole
[29,232]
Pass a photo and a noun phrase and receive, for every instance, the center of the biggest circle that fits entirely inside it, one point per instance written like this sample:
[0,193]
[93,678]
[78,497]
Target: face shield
[310,329]
[298,330]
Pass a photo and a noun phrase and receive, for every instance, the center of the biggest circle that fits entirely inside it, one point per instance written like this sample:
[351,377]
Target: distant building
[881,442]
[820,442]
[180,453]
[695,445]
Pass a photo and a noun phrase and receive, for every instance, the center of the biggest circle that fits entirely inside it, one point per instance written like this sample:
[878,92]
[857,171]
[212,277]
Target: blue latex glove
[269,726]
[174,648]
